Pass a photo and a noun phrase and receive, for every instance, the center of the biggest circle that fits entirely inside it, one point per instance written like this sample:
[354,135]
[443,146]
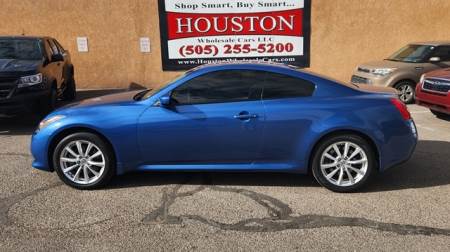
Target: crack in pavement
[280,216]
[8,202]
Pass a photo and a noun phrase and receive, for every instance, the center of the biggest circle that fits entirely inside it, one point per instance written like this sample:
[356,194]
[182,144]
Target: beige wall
[344,33]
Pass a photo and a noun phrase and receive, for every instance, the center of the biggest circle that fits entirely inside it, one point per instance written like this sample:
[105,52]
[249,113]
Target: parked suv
[34,73]
[433,92]
[403,69]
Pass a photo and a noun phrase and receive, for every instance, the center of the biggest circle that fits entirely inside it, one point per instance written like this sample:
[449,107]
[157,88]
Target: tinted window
[54,49]
[283,86]
[220,86]
[60,48]
[442,52]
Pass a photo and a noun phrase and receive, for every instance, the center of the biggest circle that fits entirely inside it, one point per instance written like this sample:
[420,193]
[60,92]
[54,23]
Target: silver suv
[404,68]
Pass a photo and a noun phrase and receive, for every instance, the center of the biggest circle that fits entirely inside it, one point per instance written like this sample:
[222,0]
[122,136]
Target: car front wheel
[84,161]
[343,163]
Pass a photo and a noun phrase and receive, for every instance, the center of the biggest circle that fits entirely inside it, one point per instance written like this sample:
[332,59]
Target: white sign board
[82,43]
[145,44]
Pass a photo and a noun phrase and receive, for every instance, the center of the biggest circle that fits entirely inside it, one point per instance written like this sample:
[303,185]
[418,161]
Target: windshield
[148,93]
[21,49]
[412,53]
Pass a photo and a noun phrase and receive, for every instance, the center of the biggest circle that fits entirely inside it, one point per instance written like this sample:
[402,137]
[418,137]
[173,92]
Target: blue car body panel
[280,136]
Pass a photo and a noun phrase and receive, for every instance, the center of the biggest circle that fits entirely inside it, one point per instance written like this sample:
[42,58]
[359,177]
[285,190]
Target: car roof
[254,63]
[24,37]
[432,43]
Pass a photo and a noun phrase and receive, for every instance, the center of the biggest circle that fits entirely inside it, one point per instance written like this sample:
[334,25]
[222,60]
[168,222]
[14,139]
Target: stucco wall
[344,33]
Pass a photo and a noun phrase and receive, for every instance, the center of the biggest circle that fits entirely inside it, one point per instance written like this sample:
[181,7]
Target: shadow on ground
[428,167]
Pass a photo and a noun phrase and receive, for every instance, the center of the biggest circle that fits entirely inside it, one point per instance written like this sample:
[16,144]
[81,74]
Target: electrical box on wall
[144,43]
[82,44]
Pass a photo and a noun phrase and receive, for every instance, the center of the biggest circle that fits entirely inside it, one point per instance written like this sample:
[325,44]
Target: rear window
[277,86]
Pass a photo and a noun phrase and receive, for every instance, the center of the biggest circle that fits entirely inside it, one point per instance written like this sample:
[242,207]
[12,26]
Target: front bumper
[40,142]
[436,101]
[367,78]
[21,102]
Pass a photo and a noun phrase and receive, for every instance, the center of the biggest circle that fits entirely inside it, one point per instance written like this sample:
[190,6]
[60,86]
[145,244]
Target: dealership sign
[197,32]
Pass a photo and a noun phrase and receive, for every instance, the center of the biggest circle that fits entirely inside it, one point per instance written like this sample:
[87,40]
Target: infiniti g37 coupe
[231,117]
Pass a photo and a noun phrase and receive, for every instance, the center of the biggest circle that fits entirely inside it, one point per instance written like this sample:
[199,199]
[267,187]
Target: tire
[89,170]
[440,115]
[322,165]
[48,103]
[70,90]
[407,91]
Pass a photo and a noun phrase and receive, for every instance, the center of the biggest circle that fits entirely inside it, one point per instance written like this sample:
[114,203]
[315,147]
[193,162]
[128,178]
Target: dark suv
[34,73]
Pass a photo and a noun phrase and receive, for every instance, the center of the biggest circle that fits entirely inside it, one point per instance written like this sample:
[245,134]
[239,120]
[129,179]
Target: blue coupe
[231,117]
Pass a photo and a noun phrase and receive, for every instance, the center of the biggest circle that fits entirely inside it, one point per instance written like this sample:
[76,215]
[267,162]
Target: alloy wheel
[406,93]
[82,162]
[344,164]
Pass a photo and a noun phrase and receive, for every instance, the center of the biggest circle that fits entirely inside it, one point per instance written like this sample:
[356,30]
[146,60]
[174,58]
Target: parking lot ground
[404,209]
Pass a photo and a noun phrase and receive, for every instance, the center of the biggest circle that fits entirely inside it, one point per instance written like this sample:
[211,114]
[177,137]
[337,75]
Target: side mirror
[57,58]
[164,100]
[435,59]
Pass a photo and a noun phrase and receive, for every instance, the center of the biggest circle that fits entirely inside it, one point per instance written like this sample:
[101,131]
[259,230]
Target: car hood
[111,99]
[14,65]
[441,73]
[386,64]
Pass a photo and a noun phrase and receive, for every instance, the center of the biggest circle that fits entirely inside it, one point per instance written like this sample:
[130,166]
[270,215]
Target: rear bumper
[435,101]
[21,102]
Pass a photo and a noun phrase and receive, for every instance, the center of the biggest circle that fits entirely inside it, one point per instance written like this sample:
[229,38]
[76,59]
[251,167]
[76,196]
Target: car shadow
[428,167]
[26,123]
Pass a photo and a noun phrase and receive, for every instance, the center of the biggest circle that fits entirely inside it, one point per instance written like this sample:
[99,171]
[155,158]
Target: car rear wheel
[84,161]
[406,91]
[343,163]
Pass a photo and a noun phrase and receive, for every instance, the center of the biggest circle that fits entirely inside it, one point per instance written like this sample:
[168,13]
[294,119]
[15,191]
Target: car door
[216,118]
[287,102]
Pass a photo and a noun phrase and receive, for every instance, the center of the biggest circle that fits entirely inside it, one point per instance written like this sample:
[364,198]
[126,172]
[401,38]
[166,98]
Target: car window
[54,49]
[219,87]
[442,52]
[278,86]
[48,49]
[58,45]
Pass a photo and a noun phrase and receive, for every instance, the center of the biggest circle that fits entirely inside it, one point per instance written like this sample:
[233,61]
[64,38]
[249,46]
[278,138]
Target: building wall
[344,33]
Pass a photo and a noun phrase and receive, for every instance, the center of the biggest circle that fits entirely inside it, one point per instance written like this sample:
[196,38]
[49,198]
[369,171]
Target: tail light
[401,107]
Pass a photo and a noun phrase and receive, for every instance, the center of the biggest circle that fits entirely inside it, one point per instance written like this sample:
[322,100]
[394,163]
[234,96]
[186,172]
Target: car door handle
[245,116]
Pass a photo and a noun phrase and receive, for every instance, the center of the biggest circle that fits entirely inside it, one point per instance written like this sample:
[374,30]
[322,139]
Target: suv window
[442,52]
[220,86]
[54,50]
[284,86]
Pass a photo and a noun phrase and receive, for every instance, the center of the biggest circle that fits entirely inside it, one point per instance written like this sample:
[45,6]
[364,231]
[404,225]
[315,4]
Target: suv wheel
[70,90]
[48,103]
[406,91]
[343,163]
[84,161]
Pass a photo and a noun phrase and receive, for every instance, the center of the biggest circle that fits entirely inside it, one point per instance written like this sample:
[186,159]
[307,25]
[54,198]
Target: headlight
[31,80]
[422,78]
[382,71]
[49,121]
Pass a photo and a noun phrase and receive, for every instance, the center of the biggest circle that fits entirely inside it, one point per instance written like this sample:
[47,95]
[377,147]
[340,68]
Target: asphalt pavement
[406,208]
